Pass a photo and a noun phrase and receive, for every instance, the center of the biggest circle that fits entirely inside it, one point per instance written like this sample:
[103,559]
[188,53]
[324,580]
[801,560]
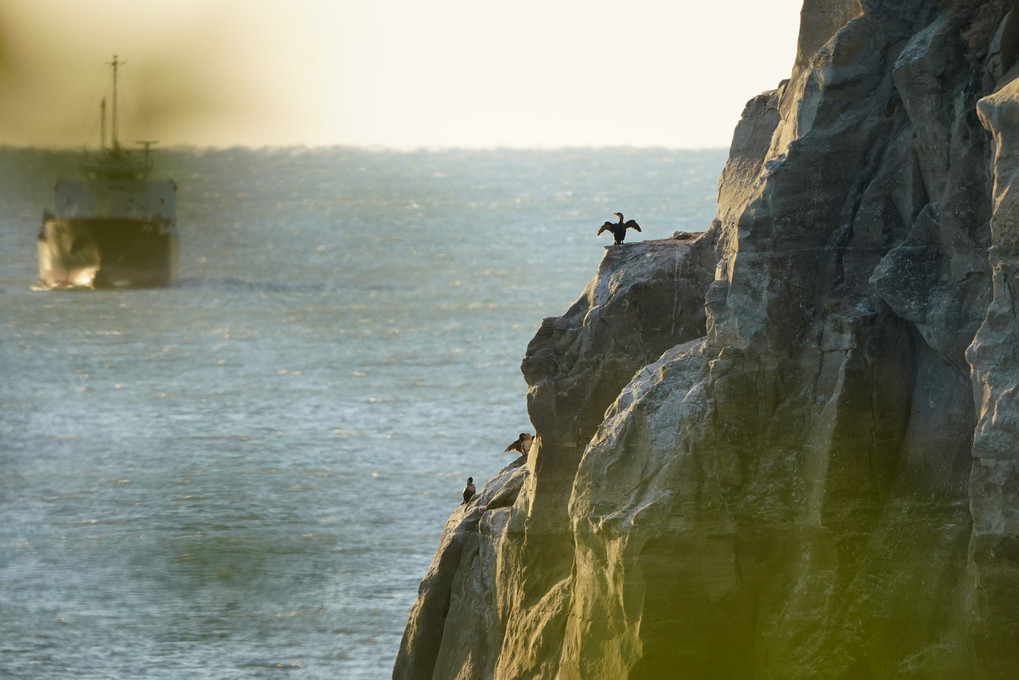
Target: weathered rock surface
[453,624]
[502,574]
[790,448]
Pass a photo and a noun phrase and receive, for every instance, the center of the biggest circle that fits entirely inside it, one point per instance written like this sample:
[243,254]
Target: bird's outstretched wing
[518,445]
[605,227]
[631,224]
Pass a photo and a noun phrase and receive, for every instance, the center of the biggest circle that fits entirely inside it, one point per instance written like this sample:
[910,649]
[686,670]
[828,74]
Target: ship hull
[108,252]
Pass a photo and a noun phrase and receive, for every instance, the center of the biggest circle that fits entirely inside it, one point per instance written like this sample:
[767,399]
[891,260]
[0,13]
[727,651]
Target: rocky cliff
[788,448]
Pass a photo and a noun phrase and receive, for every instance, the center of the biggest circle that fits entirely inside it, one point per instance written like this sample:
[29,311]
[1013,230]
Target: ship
[113,226]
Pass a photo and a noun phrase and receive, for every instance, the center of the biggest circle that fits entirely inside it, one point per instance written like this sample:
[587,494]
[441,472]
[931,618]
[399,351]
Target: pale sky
[392,73]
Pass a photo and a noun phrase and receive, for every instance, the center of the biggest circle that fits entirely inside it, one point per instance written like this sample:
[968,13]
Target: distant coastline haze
[391,73]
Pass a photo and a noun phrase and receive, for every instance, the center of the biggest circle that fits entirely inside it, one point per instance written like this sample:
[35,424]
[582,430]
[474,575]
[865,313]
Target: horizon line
[374,147]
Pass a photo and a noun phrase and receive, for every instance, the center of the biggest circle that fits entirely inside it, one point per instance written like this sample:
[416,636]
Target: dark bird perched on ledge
[522,444]
[619,229]
[468,490]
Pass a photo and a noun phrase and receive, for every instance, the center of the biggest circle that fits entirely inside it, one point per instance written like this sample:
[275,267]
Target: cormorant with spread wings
[618,229]
[522,445]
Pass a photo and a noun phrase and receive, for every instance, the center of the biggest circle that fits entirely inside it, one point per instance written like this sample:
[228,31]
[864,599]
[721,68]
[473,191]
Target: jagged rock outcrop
[790,448]
[453,624]
[518,560]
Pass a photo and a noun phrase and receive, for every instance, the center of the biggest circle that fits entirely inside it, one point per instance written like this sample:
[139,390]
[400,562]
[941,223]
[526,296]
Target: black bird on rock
[469,490]
[522,444]
[619,229]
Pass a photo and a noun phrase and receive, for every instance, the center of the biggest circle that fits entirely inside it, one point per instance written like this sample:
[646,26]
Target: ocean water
[246,475]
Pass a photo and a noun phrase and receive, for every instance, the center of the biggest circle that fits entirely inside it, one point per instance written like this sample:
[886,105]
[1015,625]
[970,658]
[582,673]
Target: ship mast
[102,124]
[113,133]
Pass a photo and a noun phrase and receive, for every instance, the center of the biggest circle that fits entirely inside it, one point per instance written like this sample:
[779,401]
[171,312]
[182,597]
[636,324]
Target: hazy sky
[396,73]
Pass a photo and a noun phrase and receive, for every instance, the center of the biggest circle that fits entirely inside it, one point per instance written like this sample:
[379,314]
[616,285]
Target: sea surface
[246,475]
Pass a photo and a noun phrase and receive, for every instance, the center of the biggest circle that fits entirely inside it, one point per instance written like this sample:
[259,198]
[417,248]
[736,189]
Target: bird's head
[619,215]
[470,479]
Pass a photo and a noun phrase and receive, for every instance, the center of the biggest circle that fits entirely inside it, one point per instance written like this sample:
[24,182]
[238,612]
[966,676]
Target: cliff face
[789,448]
